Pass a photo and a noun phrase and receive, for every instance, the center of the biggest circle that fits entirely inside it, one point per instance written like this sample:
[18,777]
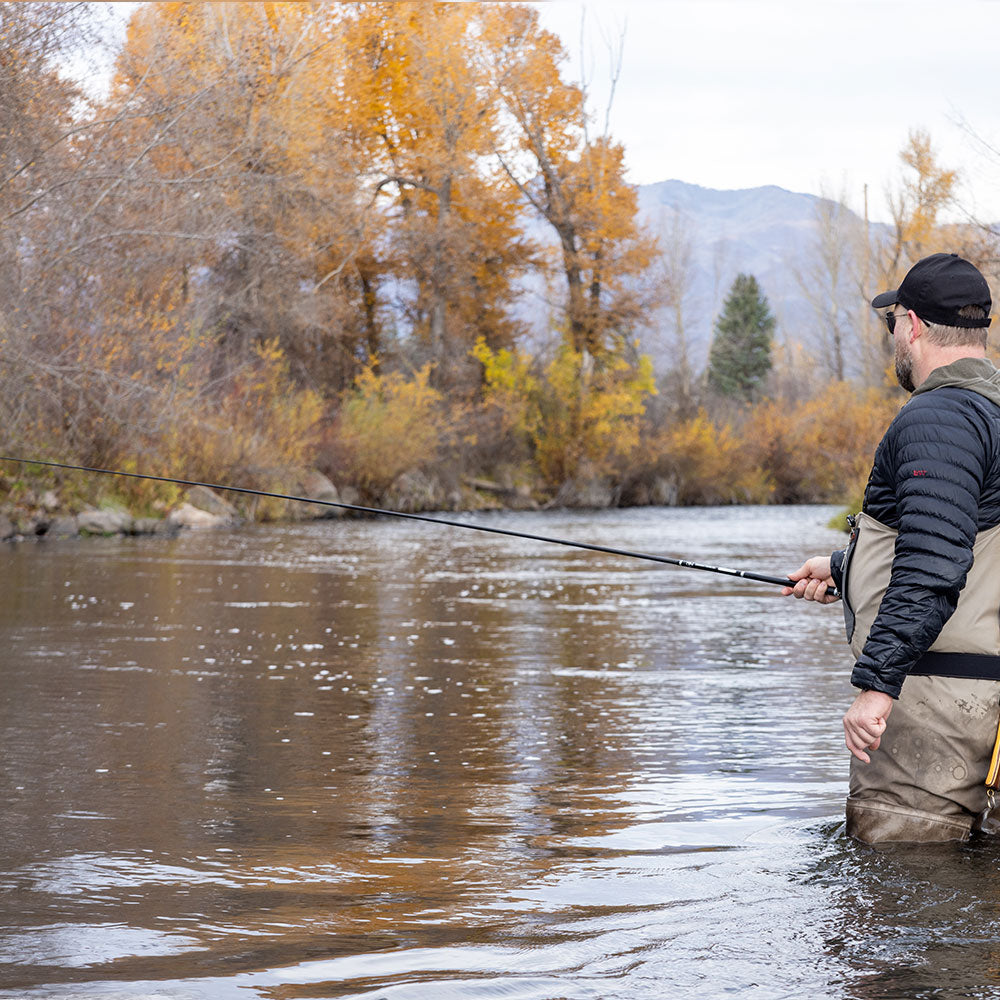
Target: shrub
[708,463]
[821,449]
[388,425]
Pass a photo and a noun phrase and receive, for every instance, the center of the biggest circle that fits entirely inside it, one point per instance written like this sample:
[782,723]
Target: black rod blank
[686,563]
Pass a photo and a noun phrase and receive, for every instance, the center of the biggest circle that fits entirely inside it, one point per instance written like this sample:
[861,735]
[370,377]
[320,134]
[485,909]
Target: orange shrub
[707,463]
[821,449]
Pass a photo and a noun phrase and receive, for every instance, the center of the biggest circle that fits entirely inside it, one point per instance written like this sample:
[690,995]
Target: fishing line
[685,563]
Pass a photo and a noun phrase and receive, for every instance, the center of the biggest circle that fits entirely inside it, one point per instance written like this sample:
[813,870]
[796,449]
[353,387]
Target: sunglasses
[890,321]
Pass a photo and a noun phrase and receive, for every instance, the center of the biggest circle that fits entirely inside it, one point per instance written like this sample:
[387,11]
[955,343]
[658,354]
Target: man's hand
[864,723]
[813,580]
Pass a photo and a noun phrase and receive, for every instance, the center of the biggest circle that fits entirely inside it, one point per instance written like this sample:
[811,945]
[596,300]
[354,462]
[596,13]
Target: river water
[387,760]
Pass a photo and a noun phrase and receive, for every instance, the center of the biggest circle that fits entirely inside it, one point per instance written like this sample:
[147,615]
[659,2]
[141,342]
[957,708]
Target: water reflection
[388,760]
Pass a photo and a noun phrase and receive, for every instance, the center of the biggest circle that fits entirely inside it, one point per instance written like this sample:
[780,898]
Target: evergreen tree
[740,357]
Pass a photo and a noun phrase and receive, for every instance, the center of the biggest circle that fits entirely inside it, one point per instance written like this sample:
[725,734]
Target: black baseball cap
[936,287]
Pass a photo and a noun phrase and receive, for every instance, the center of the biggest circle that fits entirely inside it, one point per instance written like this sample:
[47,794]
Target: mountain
[768,232]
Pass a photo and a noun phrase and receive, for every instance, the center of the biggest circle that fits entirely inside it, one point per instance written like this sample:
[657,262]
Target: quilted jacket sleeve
[934,460]
[837,569]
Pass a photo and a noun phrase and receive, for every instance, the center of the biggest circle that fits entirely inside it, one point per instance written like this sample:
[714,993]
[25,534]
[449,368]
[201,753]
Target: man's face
[904,357]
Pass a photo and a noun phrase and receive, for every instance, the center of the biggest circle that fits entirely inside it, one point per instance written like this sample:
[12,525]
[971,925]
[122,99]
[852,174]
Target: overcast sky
[810,95]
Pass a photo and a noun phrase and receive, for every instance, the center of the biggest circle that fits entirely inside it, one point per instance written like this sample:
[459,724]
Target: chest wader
[934,775]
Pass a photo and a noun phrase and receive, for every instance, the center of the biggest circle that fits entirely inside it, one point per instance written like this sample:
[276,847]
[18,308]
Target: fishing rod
[685,563]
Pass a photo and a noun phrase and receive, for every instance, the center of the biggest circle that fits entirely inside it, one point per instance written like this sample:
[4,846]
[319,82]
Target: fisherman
[921,574]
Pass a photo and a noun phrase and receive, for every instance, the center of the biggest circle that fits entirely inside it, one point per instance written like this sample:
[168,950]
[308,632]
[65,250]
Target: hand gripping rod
[686,563]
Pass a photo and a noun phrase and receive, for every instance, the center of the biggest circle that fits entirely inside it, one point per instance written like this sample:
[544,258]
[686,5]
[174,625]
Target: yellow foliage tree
[233,166]
[925,190]
[509,388]
[925,193]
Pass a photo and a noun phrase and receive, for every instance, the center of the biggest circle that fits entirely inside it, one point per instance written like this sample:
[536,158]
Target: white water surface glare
[381,759]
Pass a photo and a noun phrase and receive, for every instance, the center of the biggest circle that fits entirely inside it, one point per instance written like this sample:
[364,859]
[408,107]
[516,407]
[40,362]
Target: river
[386,760]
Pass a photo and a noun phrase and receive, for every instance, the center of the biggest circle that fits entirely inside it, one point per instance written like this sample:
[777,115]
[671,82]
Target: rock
[595,492]
[63,527]
[104,522]
[415,490]
[316,486]
[348,494]
[39,524]
[154,526]
[49,501]
[522,499]
[208,500]
[188,516]
[511,497]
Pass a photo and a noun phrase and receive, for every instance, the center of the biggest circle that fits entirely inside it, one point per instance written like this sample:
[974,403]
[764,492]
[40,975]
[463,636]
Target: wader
[928,780]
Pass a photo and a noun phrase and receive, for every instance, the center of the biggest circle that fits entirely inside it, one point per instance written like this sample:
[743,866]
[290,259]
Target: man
[921,575]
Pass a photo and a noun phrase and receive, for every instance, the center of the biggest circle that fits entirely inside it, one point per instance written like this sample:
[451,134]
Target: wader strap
[845,565]
[972,666]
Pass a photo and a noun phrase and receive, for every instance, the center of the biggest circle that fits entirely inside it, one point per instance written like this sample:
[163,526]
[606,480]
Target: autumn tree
[851,258]
[423,119]
[129,214]
[36,113]
[740,356]
[924,194]
[924,190]
[574,182]
[247,179]
[43,117]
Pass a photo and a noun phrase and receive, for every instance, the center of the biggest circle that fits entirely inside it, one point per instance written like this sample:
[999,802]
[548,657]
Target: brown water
[388,760]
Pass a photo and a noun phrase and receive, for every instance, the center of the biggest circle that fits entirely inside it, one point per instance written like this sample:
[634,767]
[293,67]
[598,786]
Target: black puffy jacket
[936,481]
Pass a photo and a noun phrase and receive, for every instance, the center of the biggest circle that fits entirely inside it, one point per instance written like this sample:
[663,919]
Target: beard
[904,366]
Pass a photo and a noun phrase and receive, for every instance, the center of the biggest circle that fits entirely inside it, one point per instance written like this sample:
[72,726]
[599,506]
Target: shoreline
[117,523]
[313,497]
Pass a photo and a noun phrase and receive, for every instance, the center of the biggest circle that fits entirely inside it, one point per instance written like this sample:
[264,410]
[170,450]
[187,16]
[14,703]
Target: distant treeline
[309,235]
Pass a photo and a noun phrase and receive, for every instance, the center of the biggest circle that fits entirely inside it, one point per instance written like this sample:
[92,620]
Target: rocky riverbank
[44,514]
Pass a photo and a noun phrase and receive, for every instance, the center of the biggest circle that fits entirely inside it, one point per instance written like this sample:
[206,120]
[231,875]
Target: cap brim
[885,299]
